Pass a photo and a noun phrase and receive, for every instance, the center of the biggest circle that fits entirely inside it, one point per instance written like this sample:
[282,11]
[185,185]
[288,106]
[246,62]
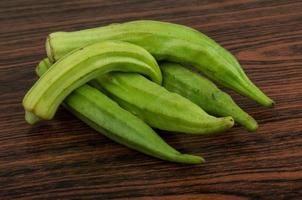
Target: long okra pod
[108,118]
[166,41]
[80,66]
[158,107]
[204,93]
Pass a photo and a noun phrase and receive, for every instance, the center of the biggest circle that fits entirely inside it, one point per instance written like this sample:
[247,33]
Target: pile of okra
[125,79]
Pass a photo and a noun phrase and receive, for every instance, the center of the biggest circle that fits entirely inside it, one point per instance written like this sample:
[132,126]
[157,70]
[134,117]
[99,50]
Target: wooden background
[64,159]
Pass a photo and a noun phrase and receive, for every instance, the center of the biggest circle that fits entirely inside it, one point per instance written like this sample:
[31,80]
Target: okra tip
[226,122]
[251,124]
[268,102]
[190,159]
[257,95]
[272,103]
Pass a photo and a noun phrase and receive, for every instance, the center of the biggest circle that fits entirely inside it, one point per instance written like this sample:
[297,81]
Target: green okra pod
[158,107]
[204,93]
[166,41]
[108,118]
[80,66]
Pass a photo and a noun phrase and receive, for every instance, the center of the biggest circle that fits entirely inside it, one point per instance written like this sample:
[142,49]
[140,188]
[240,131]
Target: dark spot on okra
[214,97]
[196,90]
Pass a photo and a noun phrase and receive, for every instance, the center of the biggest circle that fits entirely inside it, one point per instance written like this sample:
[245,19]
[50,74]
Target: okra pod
[204,93]
[158,107]
[80,66]
[170,42]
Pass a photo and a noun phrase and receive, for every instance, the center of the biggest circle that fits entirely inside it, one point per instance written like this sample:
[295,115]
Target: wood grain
[64,159]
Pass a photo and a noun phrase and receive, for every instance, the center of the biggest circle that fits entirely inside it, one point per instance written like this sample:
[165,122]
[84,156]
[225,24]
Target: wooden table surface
[65,159]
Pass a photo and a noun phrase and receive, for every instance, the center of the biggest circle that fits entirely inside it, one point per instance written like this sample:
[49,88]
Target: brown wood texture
[65,159]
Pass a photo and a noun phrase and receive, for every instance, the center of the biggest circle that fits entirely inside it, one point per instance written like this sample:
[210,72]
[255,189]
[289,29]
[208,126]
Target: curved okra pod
[108,118]
[166,41]
[204,93]
[80,66]
[158,107]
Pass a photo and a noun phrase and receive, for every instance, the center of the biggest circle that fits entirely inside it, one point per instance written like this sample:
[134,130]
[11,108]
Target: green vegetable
[204,93]
[107,117]
[80,66]
[166,41]
[158,107]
